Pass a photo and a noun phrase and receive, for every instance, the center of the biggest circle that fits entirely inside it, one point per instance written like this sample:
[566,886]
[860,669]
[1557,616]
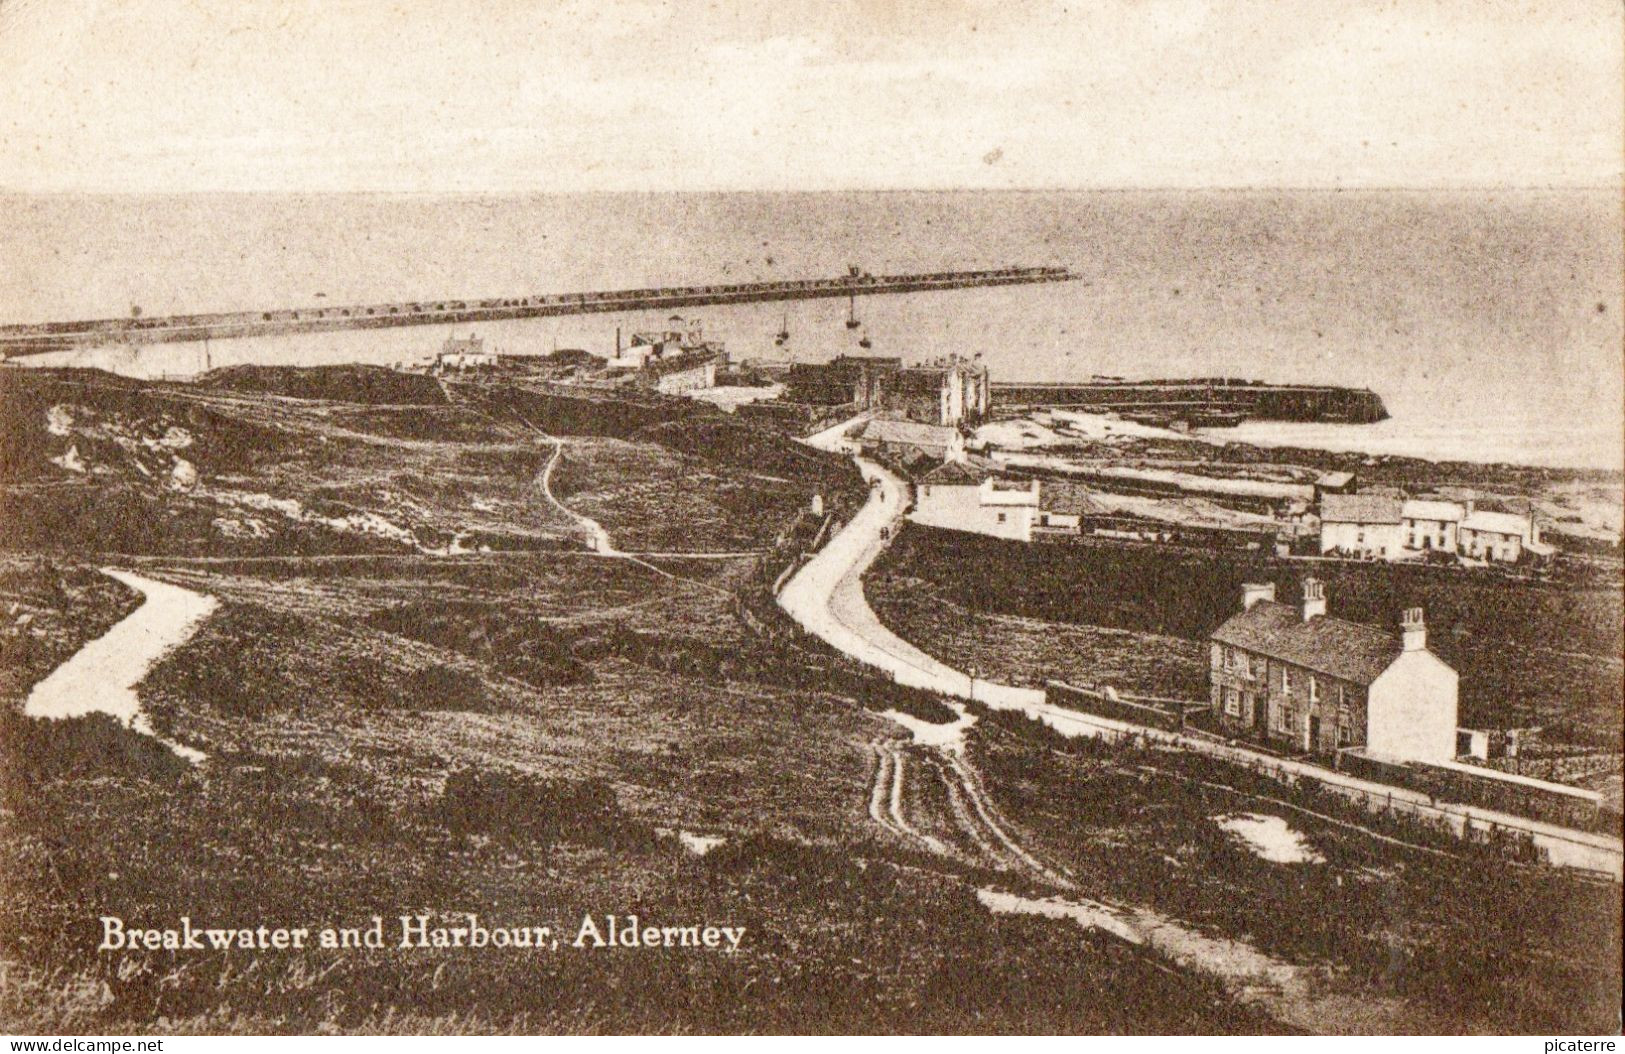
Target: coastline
[1551,446]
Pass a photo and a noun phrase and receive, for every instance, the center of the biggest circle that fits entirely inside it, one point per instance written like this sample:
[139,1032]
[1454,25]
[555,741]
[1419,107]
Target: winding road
[825,597]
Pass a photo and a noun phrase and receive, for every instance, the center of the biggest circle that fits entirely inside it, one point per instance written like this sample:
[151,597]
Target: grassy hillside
[1528,653]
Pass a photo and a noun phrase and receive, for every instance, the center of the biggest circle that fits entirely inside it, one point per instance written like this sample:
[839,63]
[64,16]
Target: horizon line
[1616,184]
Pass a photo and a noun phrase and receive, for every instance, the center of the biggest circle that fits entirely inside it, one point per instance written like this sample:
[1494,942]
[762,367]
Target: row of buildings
[1388,527]
[1289,676]
[672,361]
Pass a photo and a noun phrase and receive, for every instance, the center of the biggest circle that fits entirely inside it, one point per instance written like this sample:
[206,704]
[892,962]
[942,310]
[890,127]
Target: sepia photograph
[811,517]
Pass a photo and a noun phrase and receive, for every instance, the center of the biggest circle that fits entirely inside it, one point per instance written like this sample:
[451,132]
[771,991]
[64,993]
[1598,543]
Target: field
[422,693]
[650,498]
[1413,939]
[1017,650]
[395,726]
[98,464]
[1528,653]
[371,756]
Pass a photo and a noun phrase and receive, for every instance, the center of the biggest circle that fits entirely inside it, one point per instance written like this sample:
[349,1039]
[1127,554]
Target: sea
[1490,321]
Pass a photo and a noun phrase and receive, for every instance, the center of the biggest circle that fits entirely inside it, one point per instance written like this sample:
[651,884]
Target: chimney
[1253,592]
[1413,632]
[1314,598]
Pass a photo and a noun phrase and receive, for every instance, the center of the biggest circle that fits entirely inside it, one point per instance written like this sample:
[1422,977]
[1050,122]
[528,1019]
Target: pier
[1214,396]
[39,338]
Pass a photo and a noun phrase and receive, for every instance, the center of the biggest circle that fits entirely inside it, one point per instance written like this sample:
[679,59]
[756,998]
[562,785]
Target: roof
[1424,509]
[912,432]
[1349,651]
[920,379]
[1496,522]
[1068,500]
[959,474]
[1335,479]
[688,360]
[1359,508]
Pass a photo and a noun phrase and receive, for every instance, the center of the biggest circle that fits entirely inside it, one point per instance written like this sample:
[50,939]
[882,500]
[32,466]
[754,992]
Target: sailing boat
[852,312]
[865,342]
[784,331]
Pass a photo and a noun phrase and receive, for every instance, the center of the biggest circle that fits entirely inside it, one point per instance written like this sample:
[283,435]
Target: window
[1345,735]
[1314,689]
[1283,718]
[1286,681]
[1232,703]
[1001,517]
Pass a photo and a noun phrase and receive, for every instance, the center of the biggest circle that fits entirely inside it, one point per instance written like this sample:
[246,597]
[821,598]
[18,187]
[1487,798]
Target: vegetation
[1528,653]
[373,385]
[1474,942]
[396,725]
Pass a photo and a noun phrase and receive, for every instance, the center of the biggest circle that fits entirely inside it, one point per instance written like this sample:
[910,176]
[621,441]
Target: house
[465,353]
[1295,678]
[949,391]
[1502,537]
[1427,524]
[1334,483]
[910,441]
[1364,524]
[1065,507]
[671,361]
[965,496]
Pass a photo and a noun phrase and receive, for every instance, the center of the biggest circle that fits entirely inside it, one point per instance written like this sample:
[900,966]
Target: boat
[852,313]
[784,331]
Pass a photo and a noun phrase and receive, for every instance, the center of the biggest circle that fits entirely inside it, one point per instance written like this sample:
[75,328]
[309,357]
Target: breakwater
[41,337]
[1228,397]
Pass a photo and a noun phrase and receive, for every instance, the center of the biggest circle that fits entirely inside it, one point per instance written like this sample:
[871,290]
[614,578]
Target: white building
[690,371]
[458,354]
[1362,524]
[966,497]
[1411,706]
[909,441]
[1501,536]
[1291,676]
[1429,524]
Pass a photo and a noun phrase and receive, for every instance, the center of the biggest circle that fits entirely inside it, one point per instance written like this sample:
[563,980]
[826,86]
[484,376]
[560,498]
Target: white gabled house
[1430,524]
[966,496]
[1500,536]
[1363,524]
[1298,679]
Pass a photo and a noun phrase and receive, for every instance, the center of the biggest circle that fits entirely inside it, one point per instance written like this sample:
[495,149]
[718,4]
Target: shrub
[520,807]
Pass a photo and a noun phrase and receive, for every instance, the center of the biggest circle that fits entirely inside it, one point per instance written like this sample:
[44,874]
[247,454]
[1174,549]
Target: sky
[505,96]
